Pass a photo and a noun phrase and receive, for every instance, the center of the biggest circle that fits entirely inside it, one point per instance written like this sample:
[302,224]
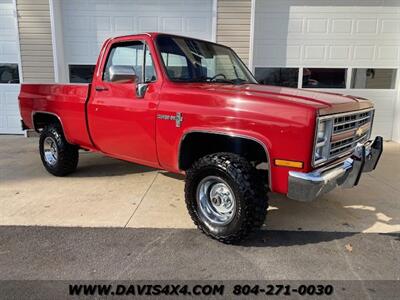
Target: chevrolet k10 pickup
[192,107]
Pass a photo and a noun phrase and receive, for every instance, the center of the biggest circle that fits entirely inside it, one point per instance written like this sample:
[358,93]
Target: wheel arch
[40,119]
[186,158]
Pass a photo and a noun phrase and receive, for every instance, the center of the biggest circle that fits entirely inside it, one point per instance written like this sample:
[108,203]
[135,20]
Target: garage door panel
[325,6]
[371,49]
[390,26]
[340,53]
[148,23]
[330,54]
[332,34]
[384,103]
[173,24]
[382,129]
[9,111]
[86,24]
[123,23]
[135,7]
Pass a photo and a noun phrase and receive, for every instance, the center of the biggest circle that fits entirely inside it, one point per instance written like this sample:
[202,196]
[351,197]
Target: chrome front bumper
[345,173]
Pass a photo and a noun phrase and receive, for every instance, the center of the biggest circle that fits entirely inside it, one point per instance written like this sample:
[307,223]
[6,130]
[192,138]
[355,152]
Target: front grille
[349,122]
[348,130]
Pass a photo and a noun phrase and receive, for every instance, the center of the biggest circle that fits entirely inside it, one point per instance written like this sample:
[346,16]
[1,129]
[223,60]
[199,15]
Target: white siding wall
[233,26]
[35,40]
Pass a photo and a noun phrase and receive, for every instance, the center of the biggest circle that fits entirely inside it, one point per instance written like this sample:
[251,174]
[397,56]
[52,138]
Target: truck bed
[65,101]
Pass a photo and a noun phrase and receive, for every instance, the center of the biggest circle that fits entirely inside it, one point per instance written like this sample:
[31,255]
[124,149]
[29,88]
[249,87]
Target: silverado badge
[178,118]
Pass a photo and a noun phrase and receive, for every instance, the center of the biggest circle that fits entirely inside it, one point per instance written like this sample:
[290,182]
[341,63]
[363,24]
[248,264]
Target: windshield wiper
[236,81]
[215,80]
[224,81]
[241,81]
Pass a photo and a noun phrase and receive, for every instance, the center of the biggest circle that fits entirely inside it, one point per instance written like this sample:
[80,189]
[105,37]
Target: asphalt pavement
[34,252]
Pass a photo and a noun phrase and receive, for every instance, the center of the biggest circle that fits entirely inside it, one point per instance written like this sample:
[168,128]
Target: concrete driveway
[113,193]
[148,205]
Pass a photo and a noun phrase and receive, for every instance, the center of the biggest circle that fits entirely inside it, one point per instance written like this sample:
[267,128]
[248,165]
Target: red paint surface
[123,126]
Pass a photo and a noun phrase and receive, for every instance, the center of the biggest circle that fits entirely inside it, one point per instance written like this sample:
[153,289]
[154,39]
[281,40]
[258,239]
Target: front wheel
[225,197]
[58,156]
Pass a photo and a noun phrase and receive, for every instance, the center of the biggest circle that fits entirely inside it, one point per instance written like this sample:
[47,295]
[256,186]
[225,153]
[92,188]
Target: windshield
[190,60]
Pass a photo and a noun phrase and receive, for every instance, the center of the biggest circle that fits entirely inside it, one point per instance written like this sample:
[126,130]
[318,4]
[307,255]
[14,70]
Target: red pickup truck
[192,107]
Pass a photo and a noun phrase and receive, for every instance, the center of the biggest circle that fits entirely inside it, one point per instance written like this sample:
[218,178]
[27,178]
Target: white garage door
[86,24]
[351,47]
[9,72]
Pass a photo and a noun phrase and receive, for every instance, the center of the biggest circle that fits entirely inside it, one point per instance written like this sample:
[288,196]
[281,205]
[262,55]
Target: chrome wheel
[216,200]
[50,151]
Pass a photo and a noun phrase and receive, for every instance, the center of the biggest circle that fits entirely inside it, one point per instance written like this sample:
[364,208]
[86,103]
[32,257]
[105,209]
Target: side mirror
[121,73]
[141,89]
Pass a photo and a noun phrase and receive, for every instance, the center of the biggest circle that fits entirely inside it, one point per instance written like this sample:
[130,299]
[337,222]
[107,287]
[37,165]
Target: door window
[288,77]
[323,78]
[131,54]
[9,73]
[81,73]
[373,78]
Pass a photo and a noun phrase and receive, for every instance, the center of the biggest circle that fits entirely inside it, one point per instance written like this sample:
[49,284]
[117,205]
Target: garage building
[348,47]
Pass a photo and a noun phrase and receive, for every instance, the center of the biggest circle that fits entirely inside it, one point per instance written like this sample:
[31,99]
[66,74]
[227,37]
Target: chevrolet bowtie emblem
[359,132]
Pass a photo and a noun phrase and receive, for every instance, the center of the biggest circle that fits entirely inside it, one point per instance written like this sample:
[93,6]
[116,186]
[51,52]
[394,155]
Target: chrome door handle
[101,88]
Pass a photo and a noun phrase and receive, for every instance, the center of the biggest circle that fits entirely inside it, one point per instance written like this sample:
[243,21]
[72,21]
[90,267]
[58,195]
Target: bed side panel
[67,101]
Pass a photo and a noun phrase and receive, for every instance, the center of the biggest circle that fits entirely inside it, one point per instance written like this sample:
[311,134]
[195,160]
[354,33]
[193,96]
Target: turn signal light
[289,163]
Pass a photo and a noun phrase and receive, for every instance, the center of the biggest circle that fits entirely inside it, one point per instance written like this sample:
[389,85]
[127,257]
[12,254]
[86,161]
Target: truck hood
[326,103]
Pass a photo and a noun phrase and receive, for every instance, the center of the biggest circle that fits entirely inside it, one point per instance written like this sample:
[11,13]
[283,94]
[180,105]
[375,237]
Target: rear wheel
[225,197]
[58,156]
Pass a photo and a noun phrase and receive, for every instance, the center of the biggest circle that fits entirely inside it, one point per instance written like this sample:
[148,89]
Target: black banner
[75,289]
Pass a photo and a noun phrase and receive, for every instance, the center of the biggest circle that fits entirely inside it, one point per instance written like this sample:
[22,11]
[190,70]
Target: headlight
[318,154]
[321,133]
[323,136]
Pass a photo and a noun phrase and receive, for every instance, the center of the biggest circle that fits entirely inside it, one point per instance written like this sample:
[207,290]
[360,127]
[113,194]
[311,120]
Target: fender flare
[229,134]
[51,114]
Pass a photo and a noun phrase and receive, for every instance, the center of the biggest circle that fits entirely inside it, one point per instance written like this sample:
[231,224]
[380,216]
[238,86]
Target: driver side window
[130,54]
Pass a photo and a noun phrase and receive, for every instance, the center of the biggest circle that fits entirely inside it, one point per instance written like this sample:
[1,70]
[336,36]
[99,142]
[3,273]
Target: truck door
[122,110]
